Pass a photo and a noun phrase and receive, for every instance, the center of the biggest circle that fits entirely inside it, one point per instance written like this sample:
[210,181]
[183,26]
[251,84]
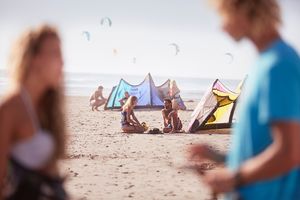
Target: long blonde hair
[51,107]
[129,103]
[262,14]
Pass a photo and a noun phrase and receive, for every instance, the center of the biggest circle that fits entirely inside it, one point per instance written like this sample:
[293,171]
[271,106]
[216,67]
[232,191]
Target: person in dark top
[124,99]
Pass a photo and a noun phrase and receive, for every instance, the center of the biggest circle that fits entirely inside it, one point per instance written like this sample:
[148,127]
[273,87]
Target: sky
[139,39]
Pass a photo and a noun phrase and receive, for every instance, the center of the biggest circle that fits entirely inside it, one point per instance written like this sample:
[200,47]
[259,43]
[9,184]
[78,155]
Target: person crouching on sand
[172,123]
[97,99]
[129,122]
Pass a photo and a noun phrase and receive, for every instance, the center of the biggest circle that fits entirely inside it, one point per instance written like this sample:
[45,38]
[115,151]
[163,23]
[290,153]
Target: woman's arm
[5,137]
[135,119]
[128,116]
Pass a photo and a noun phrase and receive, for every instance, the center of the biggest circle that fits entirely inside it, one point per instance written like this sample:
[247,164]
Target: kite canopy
[176,48]
[106,21]
[230,57]
[216,109]
[149,95]
[87,35]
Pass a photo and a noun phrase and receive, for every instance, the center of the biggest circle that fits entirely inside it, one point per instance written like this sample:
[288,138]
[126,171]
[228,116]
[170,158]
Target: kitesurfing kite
[176,48]
[106,21]
[87,35]
[229,57]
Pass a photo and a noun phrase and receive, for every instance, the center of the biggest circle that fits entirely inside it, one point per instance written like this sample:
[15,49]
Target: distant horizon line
[144,75]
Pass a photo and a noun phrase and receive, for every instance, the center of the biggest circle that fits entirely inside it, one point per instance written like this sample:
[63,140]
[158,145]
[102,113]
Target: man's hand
[201,152]
[220,180]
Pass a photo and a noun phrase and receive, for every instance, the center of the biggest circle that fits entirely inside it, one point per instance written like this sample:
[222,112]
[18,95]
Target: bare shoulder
[9,103]
[9,107]
[130,111]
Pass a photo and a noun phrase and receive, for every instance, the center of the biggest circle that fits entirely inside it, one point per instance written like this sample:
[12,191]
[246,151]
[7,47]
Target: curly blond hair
[263,14]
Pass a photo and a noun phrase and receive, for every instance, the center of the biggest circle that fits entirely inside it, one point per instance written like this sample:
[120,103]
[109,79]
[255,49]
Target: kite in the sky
[87,35]
[106,21]
[176,48]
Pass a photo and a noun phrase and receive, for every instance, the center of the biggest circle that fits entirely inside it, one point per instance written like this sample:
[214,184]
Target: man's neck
[263,41]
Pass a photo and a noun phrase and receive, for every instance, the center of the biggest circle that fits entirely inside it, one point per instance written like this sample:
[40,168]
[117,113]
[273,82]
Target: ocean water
[3,81]
[83,84]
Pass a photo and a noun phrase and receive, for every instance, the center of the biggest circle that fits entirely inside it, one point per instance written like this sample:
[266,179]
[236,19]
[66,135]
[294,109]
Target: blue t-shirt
[271,93]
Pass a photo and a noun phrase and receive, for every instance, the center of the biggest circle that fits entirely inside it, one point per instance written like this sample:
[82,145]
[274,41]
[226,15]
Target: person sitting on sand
[172,123]
[97,98]
[129,122]
[124,99]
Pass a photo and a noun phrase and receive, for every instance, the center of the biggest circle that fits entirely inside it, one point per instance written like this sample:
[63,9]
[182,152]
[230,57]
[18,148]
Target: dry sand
[103,163]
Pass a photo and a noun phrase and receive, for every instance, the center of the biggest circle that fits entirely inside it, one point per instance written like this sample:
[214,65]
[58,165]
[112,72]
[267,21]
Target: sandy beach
[103,163]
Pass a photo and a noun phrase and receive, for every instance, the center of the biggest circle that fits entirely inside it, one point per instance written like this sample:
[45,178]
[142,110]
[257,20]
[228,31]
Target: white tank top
[34,152]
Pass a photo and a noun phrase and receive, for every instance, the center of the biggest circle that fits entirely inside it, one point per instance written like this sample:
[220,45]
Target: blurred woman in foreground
[32,128]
